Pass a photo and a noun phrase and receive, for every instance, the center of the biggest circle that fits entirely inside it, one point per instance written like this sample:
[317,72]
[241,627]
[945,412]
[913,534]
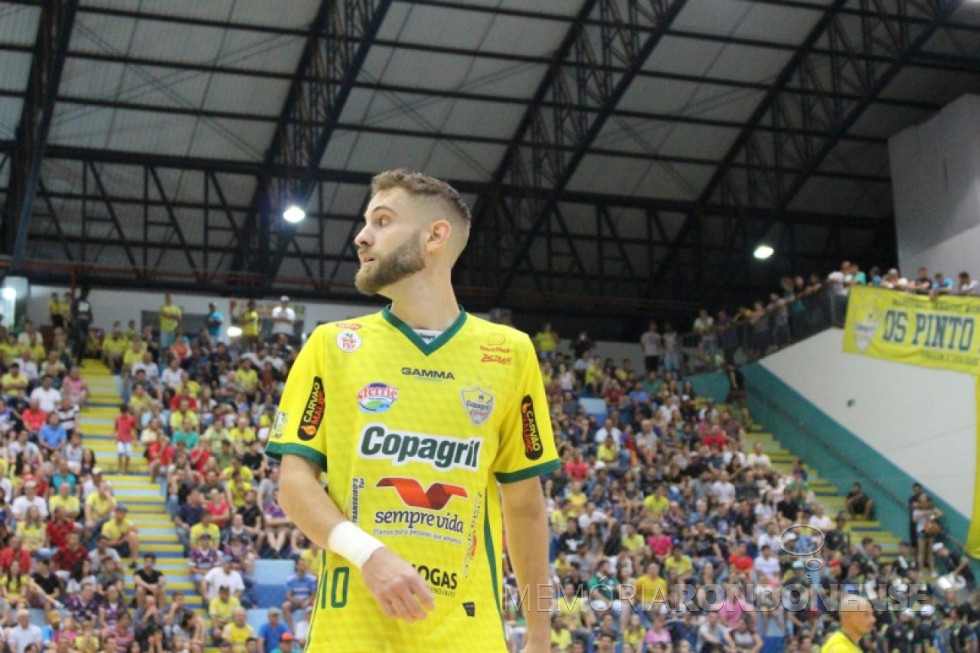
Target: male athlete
[857,619]
[420,411]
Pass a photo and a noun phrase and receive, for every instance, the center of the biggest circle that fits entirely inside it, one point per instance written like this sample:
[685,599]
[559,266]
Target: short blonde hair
[420,185]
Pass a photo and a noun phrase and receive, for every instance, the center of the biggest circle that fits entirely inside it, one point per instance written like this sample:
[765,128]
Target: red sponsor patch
[411,492]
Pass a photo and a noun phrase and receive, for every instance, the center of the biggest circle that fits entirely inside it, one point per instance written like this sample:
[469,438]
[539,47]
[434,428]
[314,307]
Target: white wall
[935,169]
[922,420]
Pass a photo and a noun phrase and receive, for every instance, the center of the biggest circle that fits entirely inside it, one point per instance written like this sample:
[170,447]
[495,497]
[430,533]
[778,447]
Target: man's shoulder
[496,335]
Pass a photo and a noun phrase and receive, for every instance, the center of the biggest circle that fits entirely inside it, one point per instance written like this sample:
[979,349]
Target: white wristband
[349,541]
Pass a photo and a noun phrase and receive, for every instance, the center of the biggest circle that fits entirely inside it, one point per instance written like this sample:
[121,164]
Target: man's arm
[524,512]
[398,588]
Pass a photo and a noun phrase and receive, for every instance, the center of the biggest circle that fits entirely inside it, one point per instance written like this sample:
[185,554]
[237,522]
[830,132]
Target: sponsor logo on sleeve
[312,411]
[350,326]
[529,430]
[376,397]
[478,404]
[496,338]
[279,425]
[349,341]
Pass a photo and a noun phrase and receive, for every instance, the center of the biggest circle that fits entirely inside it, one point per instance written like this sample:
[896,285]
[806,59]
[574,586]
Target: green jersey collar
[409,332]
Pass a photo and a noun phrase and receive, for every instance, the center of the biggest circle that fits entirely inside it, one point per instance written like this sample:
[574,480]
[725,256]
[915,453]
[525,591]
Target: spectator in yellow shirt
[679,563]
[221,610]
[170,316]
[123,535]
[238,632]
[250,326]
[561,637]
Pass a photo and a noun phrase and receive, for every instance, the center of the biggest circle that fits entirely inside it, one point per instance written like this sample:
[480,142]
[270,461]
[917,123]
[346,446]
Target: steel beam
[628,38]
[50,51]
[895,40]
[338,45]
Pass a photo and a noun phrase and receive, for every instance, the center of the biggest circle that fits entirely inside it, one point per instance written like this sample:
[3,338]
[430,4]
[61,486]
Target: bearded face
[388,269]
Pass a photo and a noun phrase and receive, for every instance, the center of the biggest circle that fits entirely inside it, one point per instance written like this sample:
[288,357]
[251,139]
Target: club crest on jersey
[376,397]
[478,404]
[348,341]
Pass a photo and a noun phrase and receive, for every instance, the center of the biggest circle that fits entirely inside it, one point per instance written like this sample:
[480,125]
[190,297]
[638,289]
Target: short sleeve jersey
[417,435]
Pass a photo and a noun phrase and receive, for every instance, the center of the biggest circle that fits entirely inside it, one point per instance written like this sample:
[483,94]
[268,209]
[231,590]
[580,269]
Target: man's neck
[435,311]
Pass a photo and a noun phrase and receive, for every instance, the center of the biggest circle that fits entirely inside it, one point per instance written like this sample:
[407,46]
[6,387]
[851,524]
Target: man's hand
[396,586]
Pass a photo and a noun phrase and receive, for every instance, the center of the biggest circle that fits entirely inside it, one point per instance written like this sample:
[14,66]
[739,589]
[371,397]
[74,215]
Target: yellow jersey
[417,435]
[839,643]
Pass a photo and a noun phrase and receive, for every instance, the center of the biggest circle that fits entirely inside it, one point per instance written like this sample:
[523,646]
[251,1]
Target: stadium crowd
[668,532]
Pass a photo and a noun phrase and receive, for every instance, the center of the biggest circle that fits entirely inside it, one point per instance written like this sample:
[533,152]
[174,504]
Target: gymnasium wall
[882,423]
[935,170]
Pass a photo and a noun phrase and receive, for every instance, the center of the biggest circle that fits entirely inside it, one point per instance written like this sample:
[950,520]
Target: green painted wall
[837,454]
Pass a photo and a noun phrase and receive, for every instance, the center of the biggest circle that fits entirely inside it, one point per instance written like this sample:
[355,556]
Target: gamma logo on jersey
[442,453]
[529,430]
[312,411]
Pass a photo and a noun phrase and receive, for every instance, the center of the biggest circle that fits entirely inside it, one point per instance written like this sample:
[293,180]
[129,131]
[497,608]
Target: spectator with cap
[286,642]
[123,535]
[283,319]
[272,632]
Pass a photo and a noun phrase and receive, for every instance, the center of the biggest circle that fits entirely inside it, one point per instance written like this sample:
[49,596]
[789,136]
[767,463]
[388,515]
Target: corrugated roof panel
[658,95]
[504,78]
[102,34]
[698,142]
[157,40]
[137,131]
[407,111]
[938,86]
[231,139]
[18,24]
[260,51]
[340,149]
[470,161]
[524,36]
[604,174]
[718,103]
[712,16]
[293,14]
[163,87]
[10,110]
[392,67]
[886,120]
[484,119]
[15,69]
[211,10]
[260,97]
[858,158]
[683,56]
[90,128]
[788,25]
[749,64]
[439,26]
[833,196]
[91,79]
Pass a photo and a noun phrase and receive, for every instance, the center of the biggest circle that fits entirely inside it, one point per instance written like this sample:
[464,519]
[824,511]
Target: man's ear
[439,234]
